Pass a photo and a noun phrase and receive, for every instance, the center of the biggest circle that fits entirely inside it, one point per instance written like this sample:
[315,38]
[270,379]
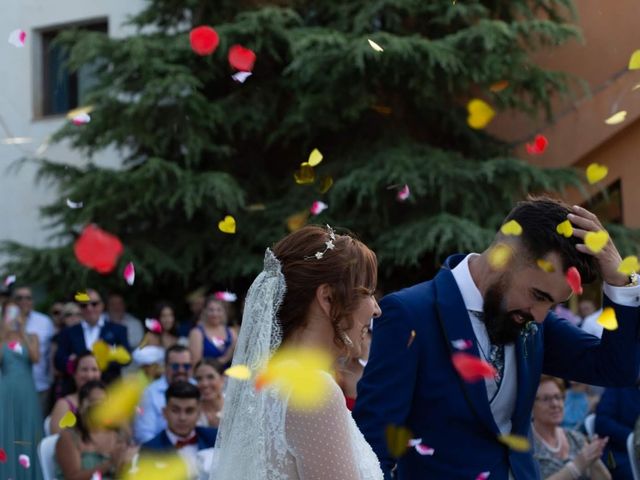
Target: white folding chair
[633,461]
[46,453]
[47,426]
[590,425]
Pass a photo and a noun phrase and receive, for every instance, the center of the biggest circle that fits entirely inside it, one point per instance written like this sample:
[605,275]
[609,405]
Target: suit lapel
[457,325]
[528,354]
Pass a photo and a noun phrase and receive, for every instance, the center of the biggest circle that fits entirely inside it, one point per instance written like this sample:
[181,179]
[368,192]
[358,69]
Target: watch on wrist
[634,280]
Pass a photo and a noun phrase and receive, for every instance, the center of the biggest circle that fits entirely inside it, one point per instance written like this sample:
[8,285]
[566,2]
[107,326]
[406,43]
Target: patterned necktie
[496,353]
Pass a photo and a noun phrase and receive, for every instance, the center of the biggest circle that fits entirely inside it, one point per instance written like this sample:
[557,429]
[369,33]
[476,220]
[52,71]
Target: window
[63,90]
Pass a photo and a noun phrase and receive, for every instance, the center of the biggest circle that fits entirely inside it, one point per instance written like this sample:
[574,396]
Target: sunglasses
[55,313]
[177,366]
[93,304]
[70,314]
[18,298]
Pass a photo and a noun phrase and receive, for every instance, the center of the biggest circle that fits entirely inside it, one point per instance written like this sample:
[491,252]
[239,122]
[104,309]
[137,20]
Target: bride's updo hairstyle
[350,269]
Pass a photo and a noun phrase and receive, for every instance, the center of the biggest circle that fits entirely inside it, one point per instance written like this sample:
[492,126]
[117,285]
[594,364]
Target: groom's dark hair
[539,217]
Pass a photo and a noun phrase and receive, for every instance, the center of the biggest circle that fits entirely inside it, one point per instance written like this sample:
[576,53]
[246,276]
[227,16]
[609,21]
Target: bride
[316,291]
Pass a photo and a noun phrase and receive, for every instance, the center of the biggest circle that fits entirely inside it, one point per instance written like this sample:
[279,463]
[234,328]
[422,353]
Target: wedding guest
[21,425]
[165,314]
[195,300]
[82,450]
[579,402]
[56,313]
[85,369]
[208,375]
[150,360]
[117,313]
[562,453]
[61,382]
[213,338]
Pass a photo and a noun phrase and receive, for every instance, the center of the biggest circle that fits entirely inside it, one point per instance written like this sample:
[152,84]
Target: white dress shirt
[40,325]
[91,333]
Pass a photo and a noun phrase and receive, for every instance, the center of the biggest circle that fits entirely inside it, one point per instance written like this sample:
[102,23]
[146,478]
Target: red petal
[204,40]
[541,143]
[97,249]
[574,280]
[241,58]
[471,368]
[3,456]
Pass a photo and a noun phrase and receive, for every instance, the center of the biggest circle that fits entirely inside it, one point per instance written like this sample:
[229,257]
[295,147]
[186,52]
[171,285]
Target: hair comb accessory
[329,245]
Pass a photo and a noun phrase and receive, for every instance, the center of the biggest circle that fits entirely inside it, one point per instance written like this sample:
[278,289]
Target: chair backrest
[46,453]
[47,426]
[590,425]
[633,461]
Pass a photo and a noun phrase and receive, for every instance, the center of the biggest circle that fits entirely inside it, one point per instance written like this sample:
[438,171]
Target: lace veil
[251,442]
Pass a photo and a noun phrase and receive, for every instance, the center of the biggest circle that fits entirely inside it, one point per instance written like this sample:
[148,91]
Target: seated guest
[150,421]
[79,338]
[81,451]
[150,360]
[165,314]
[578,403]
[616,416]
[562,454]
[212,337]
[85,369]
[117,313]
[209,376]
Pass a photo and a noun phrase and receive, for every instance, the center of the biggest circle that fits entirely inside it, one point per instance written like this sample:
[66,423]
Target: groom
[500,313]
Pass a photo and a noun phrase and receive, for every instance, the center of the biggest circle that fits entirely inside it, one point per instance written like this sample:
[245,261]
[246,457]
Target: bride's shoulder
[329,400]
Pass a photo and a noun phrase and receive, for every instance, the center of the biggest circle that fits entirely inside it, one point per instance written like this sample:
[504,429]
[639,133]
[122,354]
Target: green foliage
[196,145]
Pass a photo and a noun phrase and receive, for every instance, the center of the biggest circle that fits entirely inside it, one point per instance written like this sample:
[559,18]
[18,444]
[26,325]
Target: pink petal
[218,342]
[153,325]
[226,296]
[414,441]
[424,450]
[15,346]
[17,38]
[81,119]
[9,280]
[97,475]
[462,344]
[403,194]
[318,207]
[130,273]
[483,476]
[241,76]
[24,461]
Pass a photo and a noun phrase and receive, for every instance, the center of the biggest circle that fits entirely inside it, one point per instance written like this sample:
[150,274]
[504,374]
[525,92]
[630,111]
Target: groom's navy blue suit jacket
[413,383]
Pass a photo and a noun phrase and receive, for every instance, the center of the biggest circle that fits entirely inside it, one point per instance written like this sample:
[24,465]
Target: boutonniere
[529,330]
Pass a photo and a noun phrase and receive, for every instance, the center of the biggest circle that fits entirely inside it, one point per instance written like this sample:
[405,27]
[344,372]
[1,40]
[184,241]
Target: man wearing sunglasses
[149,420]
[93,327]
[40,325]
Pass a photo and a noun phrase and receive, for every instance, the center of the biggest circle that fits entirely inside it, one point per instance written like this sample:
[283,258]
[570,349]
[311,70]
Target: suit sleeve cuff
[625,296]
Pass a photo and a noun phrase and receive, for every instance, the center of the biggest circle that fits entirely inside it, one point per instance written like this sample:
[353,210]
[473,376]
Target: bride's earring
[345,339]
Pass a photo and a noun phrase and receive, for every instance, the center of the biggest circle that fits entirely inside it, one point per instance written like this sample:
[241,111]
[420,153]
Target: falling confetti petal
[499,86]
[241,76]
[105,354]
[74,205]
[483,476]
[462,344]
[500,256]
[472,368]
[403,193]
[325,184]
[382,109]
[596,241]
[596,173]
[228,225]
[17,38]
[153,466]
[634,60]
[412,337]
[123,396]
[608,319]
[538,146]
[153,325]
[97,475]
[480,113]
[3,456]
[545,265]
[9,280]
[318,207]
[16,347]
[297,220]
[226,296]
[574,280]
[515,442]
[204,40]
[375,46]
[129,273]
[97,249]
[300,372]
[565,229]
[305,175]
[239,372]
[424,450]
[81,119]
[68,420]
[241,58]
[397,439]
[24,461]
[82,297]
[315,157]
[629,265]
[512,227]
[616,118]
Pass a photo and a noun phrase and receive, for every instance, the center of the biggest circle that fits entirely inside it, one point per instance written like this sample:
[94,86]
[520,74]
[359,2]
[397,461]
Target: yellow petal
[608,319]
[228,225]
[240,372]
[565,228]
[596,173]
[315,157]
[375,46]
[306,175]
[499,256]
[616,118]
[499,86]
[82,297]
[169,466]
[397,440]
[596,241]
[480,113]
[629,265]
[545,265]
[634,60]
[325,184]
[68,420]
[512,227]
[297,220]
[101,351]
[119,355]
[120,405]
[516,442]
[71,114]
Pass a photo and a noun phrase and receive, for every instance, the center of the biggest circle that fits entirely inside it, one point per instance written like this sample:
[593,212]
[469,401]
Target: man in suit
[495,306]
[181,412]
[93,327]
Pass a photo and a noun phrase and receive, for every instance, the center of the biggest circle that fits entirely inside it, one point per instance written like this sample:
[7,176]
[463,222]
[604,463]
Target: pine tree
[197,146]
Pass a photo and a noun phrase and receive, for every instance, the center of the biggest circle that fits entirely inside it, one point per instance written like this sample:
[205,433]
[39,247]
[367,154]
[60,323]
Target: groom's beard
[501,324]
